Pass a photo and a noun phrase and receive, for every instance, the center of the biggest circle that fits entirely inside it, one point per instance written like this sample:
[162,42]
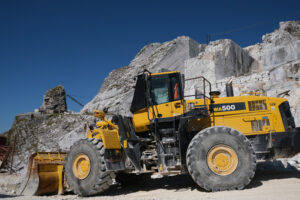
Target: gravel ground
[270,184]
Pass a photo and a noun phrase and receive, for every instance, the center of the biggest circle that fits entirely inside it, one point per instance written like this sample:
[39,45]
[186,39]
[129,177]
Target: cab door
[160,96]
[176,91]
[166,95]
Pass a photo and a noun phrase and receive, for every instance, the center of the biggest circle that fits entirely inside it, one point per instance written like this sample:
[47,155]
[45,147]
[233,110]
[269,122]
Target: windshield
[159,89]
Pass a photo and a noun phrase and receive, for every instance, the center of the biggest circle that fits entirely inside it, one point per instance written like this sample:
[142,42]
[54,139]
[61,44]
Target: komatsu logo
[227,107]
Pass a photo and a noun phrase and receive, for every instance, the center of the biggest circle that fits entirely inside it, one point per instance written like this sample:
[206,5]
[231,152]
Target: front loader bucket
[44,174]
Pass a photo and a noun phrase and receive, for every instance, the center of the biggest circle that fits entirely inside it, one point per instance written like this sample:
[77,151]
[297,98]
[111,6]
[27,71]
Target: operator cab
[165,88]
[156,96]
[156,89]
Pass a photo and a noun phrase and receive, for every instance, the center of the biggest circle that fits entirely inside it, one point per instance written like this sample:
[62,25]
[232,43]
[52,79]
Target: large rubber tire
[98,179]
[197,159]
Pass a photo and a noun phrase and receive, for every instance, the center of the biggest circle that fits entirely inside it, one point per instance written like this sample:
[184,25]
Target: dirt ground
[270,184]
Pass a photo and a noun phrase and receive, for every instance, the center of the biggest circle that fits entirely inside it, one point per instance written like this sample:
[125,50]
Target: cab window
[159,89]
[175,88]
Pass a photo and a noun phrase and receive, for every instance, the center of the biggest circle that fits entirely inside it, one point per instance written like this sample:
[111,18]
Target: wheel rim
[81,166]
[222,160]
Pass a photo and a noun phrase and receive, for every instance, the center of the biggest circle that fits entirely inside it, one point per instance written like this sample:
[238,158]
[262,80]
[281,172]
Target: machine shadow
[145,183]
[272,170]
[134,183]
[3,196]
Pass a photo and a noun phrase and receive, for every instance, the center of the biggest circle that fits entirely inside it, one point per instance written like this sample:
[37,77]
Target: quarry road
[265,185]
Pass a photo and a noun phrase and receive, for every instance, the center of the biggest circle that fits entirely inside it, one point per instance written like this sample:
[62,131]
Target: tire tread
[104,179]
[191,160]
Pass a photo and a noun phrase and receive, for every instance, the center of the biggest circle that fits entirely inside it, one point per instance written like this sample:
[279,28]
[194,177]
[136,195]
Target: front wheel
[85,168]
[221,158]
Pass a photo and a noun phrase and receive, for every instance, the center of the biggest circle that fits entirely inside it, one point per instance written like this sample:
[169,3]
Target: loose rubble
[50,128]
[54,101]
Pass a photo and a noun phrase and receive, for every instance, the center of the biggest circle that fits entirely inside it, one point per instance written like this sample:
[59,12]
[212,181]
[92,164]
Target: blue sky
[45,43]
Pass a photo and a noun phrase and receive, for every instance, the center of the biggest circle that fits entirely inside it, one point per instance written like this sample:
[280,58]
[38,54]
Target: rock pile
[54,101]
[50,128]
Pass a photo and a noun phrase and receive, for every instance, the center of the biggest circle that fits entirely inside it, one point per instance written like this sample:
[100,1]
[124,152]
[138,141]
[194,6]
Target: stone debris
[45,132]
[54,101]
[9,183]
[51,128]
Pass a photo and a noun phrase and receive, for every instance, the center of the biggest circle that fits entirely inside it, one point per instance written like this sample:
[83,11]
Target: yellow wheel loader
[217,140]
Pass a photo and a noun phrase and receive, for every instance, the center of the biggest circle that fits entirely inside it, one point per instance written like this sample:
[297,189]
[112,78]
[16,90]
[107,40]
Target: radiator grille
[258,124]
[257,105]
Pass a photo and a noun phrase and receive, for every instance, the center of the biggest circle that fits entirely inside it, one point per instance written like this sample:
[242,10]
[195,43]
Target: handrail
[204,87]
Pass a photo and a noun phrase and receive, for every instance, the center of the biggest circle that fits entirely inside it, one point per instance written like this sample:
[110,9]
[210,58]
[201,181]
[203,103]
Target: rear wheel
[85,168]
[221,158]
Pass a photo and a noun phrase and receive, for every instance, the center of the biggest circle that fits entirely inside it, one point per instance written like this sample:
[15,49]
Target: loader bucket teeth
[44,174]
